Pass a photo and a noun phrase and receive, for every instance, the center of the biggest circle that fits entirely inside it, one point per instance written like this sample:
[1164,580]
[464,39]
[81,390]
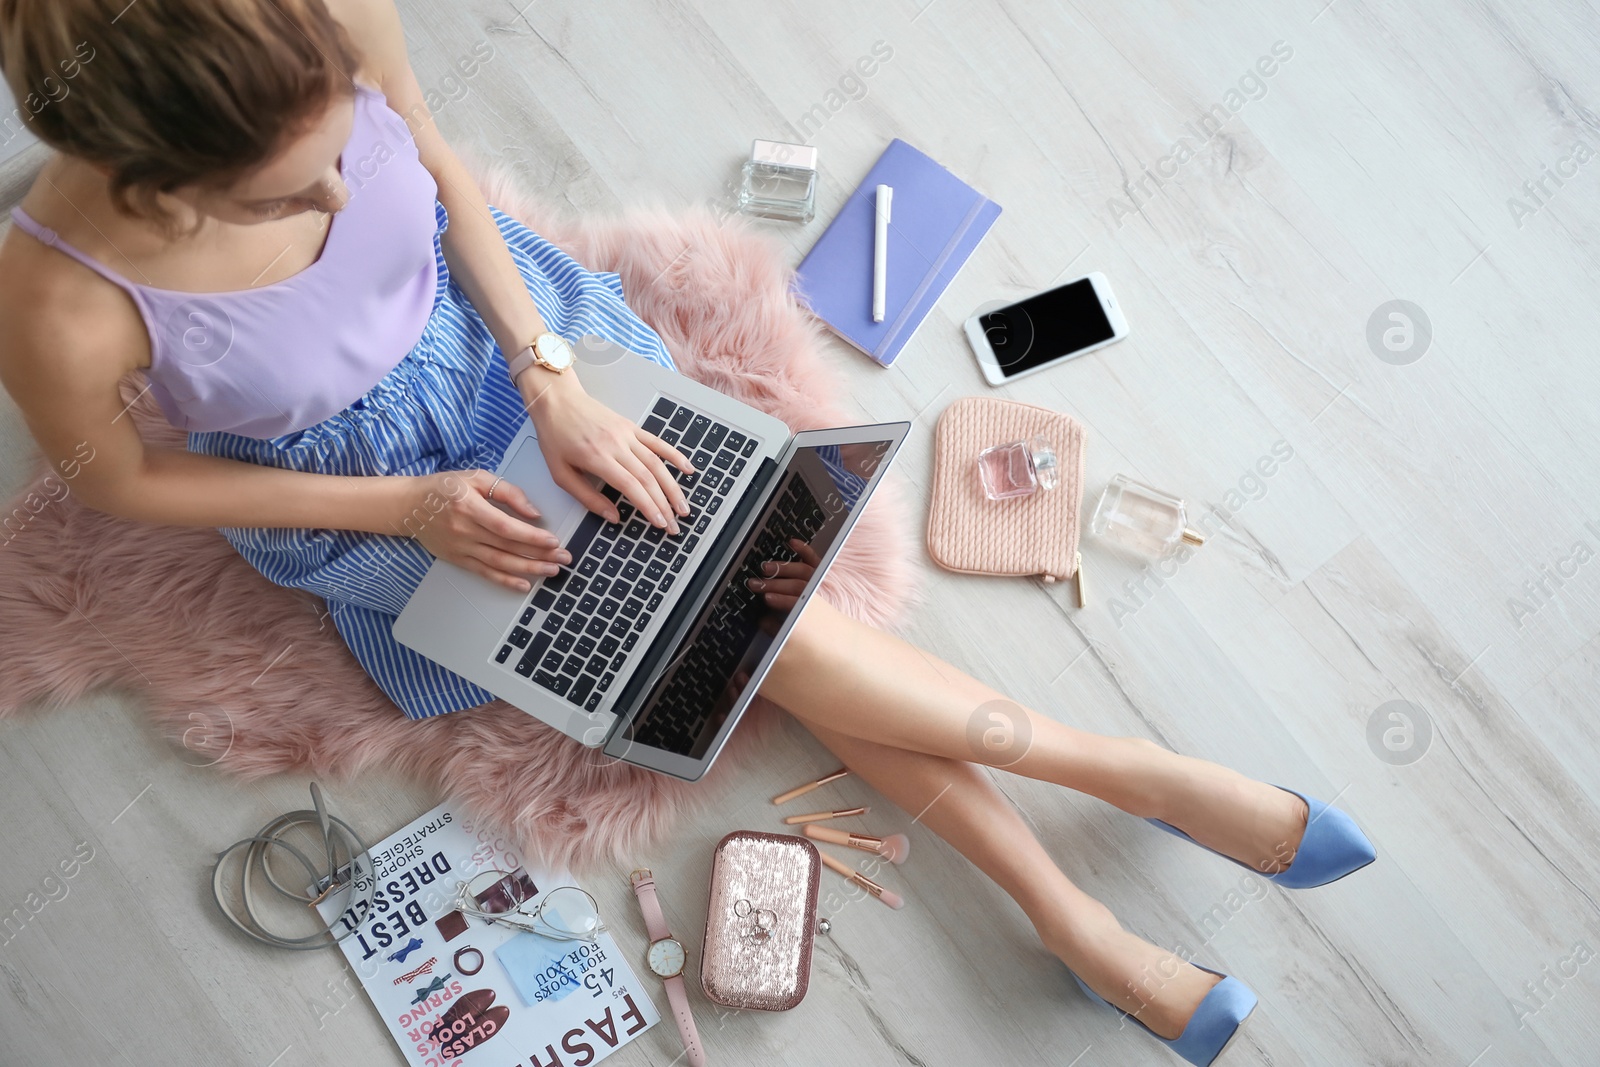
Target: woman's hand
[581,436]
[451,514]
[785,580]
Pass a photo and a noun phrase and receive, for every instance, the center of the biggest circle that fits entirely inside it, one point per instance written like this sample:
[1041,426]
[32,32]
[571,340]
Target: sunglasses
[565,913]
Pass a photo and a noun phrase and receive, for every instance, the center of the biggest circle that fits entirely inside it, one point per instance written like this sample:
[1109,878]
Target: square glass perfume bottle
[1144,520]
[1020,468]
[779,181]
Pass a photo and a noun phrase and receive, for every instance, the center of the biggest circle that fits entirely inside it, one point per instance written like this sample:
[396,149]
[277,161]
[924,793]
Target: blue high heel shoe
[1212,1025]
[1332,847]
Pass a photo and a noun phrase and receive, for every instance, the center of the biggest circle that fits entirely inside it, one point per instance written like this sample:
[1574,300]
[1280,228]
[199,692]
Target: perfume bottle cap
[1193,536]
[782,154]
[1045,465]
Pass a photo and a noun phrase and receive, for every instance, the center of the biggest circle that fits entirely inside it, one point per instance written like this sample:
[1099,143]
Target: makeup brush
[894,848]
[784,798]
[823,816]
[888,896]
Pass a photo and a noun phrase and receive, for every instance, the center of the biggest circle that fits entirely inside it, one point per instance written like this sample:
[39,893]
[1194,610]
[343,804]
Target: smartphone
[1043,330]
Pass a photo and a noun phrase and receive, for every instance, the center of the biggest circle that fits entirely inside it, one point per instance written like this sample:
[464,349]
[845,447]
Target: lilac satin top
[280,358]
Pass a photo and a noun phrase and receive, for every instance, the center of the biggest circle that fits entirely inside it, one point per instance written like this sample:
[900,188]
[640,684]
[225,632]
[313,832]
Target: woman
[250,203]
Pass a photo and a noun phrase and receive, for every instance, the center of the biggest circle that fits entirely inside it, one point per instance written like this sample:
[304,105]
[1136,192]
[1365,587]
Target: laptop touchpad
[528,472]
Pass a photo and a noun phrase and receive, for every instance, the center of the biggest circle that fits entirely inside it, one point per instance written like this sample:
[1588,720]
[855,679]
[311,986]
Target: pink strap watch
[549,350]
[667,959]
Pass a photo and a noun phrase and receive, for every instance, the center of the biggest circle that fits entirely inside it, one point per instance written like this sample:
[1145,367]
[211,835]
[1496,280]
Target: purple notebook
[936,221]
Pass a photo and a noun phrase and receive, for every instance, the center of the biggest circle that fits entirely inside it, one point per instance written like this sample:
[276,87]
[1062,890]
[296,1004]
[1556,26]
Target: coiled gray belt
[335,833]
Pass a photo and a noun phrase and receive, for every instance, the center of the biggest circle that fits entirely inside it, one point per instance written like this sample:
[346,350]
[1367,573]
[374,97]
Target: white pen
[880,252]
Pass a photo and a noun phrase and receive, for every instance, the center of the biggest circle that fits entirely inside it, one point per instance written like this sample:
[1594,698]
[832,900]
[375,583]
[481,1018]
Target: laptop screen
[707,674]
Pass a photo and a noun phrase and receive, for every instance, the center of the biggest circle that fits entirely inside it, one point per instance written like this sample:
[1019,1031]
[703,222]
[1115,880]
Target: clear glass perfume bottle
[1017,469]
[779,181]
[1145,520]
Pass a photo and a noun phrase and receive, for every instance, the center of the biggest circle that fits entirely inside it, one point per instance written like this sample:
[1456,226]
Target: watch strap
[522,361]
[655,923]
[678,1000]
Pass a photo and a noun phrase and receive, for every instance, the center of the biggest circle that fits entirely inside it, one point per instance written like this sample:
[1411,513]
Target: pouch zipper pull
[1077,577]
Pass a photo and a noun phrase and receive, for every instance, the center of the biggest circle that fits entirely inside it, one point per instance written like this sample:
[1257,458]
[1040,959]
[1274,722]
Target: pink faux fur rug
[247,677]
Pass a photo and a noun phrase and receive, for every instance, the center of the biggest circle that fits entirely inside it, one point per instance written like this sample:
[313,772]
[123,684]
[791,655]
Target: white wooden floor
[1432,539]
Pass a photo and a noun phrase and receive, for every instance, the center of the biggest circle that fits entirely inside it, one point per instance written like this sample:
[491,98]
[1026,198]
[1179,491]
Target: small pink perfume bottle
[1017,469]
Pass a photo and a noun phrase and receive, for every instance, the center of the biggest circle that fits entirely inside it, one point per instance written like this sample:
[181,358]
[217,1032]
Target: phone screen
[1046,327]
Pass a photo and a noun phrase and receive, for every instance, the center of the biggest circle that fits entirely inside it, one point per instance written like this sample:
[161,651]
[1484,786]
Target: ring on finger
[493,486]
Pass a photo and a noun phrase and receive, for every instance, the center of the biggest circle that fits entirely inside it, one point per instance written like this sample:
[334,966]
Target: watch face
[554,350]
[666,957]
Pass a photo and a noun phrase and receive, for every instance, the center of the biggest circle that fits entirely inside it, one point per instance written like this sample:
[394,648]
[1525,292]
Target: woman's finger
[623,481]
[806,553]
[781,601]
[777,585]
[666,451]
[676,500]
[506,564]
[787,569]
[664,511]
[543,561]
[669,485]
[518,531]
[578,486]
[457,484]
[498,577]
[513,497]
[464,486]
[644,492]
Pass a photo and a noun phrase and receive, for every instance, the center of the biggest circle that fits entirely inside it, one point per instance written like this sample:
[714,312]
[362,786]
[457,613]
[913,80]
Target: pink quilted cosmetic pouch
[1031,535]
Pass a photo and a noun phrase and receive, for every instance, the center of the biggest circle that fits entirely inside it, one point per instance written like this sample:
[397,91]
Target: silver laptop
[649,645]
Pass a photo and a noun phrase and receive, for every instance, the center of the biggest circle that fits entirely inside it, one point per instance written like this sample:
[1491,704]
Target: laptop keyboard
[685,707]
[578,628]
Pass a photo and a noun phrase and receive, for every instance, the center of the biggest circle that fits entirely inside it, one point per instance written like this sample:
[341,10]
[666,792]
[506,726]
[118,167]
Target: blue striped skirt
[448,405]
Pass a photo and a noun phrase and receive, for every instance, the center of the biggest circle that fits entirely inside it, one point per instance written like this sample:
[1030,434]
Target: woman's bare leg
[854,680]
[958,802]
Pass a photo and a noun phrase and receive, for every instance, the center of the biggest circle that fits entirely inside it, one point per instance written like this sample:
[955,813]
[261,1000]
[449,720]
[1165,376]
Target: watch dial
[555,350]
[666,957]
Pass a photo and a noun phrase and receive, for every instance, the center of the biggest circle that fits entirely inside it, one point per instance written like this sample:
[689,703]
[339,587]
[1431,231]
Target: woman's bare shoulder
[66,327]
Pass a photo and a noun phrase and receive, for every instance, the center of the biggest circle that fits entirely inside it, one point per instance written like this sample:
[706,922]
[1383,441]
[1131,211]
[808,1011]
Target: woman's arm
[57,362]
[62,371]
[578,435]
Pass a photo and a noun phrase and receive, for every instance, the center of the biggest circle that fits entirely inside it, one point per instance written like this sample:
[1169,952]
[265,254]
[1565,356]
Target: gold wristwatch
[549,350]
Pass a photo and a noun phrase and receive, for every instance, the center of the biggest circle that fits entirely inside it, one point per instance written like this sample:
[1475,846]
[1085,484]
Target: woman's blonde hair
[163,94]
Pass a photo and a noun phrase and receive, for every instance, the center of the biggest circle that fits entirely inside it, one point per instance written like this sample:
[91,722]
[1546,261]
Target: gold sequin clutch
[761,921]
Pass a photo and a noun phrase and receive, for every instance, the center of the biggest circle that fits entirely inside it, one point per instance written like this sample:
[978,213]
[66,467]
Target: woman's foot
[1149,983]
[1258,825]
